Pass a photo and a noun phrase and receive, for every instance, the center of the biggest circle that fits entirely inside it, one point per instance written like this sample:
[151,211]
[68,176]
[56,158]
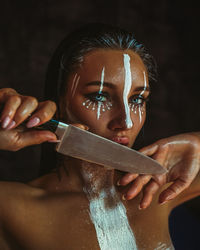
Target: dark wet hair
[69,55]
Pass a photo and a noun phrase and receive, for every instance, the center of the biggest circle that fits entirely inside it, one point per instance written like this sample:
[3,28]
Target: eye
[137,100]
[98,97]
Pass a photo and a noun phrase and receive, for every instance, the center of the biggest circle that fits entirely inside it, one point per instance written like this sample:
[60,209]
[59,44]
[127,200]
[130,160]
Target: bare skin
[180,155]
[52,212]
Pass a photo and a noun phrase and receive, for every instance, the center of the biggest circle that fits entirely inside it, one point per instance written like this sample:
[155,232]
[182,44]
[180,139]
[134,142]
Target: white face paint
[74,84]
[100,105]
[127,88]
[92,105]
[139,108]
[141,93]
[100,91]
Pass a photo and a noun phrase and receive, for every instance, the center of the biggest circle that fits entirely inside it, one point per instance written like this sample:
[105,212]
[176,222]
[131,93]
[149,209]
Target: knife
[90,147]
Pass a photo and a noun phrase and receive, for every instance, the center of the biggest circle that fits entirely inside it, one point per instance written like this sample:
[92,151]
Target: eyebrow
[97,83]
[112,86]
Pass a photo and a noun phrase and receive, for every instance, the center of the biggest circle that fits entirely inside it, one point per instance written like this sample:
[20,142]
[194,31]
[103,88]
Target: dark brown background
[30,31]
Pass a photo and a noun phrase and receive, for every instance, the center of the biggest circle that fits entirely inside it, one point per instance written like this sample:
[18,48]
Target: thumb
[35,137]
[81,126]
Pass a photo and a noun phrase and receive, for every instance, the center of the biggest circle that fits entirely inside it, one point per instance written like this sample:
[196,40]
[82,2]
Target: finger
[9,110]
[44,113]
[160,179]
[148,193]
[161,156]
[81,126]
[34,137]
[173,190]
[149,150]
[126,179]
[137,186]
[28,105]
[5,93]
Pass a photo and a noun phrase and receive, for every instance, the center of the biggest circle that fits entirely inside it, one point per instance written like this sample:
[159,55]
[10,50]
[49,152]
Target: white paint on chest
[109,216]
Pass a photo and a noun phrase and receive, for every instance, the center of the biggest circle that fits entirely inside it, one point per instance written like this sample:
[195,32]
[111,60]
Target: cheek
[89,113]
[138,119]
[138,115]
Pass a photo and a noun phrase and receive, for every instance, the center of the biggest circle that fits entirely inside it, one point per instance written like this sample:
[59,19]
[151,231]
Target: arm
[180,154]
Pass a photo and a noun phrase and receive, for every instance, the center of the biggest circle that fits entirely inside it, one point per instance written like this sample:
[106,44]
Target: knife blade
[93,148]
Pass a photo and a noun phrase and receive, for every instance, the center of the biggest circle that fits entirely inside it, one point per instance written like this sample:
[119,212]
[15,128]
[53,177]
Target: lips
[121,140]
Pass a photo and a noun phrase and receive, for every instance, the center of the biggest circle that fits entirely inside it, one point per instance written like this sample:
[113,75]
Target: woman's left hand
[180,155]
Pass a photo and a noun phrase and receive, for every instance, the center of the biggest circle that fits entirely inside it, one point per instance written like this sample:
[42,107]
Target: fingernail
[118,183]
[86,128]
[140,207]
[54,141]
[124,197]
[33,122]
[11,125]
[170,197]
[5,122]
[163,202]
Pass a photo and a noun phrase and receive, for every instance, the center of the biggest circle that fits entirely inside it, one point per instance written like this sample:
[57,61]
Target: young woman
[99,78]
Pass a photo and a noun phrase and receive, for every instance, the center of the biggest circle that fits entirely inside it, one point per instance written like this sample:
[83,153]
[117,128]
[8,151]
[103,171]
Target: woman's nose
[121,119]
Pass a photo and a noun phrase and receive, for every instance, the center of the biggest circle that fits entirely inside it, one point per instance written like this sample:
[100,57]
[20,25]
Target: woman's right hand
[16,109]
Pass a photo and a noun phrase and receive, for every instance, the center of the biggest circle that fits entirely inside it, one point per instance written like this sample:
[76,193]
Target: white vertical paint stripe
[127,88]
[111,223]
[100,90]
[98,110]
[145,83]
[102,79]
[140,114]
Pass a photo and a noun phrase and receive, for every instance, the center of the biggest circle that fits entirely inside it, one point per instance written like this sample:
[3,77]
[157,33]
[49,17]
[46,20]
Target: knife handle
[51,125]
[59,128]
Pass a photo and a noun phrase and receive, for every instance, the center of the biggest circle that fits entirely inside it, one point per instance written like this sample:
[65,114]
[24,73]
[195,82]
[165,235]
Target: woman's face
[107,93]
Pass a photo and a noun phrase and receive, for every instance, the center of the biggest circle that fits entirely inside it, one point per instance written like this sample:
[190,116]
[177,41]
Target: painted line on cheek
[98,110]
[141,93]
[140,114]
[127,88]
[100,91]
[75,84]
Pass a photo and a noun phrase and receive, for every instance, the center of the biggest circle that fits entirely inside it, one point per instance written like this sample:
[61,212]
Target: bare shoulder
[31,213]
[13,194]
[15,198]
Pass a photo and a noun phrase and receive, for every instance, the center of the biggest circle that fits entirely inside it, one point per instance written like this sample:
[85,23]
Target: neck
[96,178]
[84,175]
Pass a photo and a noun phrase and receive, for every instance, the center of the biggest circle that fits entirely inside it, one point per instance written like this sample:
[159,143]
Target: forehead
[113,63]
